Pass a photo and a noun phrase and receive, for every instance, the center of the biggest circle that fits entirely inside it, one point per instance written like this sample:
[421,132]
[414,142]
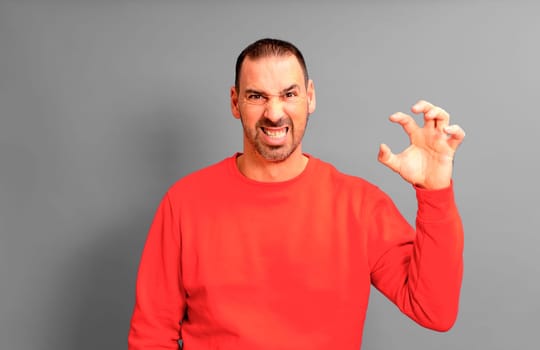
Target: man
[273,248]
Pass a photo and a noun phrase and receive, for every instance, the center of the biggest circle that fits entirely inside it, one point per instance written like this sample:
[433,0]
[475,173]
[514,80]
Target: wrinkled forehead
[271,73]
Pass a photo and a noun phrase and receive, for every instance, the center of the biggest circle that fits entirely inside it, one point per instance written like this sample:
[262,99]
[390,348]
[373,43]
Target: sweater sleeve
[420,272]
[159,300]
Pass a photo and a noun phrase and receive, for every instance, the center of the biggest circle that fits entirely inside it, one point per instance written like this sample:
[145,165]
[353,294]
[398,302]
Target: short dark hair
[265,48]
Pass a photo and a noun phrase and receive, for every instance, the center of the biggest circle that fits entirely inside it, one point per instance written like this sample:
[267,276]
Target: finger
[424,107]
[388,158]
[406,121]
[434,116]
[439,116]
[421,106]
[455,135]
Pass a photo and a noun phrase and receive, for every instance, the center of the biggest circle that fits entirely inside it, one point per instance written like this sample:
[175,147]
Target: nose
[274,108]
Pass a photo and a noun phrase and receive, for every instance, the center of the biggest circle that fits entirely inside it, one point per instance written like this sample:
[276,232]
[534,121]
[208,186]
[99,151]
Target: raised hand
[428,161]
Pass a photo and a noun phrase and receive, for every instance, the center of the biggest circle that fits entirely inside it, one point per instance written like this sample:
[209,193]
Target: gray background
[104,104]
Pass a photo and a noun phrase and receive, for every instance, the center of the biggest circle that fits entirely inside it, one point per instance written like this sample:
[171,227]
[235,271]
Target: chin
[277,154]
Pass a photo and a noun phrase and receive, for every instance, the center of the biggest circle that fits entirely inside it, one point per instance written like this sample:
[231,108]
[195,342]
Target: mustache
[267,123]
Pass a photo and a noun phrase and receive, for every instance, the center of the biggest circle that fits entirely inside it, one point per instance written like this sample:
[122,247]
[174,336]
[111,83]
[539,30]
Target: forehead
[271,73]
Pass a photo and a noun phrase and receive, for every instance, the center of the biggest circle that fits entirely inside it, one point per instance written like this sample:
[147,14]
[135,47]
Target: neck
[255,167]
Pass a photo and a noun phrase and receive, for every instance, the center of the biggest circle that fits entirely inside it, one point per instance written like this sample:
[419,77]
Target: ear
[312,100]
[234,103]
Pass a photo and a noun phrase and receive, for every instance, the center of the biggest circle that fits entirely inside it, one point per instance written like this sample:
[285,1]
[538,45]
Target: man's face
[273,104]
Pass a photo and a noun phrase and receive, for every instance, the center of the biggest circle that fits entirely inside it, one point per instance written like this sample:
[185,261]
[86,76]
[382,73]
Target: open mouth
[275,132]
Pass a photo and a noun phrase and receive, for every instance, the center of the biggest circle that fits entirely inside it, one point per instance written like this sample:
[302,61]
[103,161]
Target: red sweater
[232,263]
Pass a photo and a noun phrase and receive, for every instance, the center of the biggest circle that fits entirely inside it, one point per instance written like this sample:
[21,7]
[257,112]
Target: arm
[160,303]
[420,271]
[423,276]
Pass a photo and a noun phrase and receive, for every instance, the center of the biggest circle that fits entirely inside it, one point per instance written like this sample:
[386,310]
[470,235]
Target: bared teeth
[275,133]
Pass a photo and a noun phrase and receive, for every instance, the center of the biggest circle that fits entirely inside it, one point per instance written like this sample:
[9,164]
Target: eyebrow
[253,91]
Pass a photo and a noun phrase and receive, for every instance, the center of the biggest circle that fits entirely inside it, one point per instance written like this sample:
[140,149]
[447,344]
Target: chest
[307,243]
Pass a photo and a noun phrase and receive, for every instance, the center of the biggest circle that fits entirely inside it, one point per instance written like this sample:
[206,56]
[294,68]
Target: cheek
[298,114]
[249,118]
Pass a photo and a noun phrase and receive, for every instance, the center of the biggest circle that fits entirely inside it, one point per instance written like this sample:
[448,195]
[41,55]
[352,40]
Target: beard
[270,152]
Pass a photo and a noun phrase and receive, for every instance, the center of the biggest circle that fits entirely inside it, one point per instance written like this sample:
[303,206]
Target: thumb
[388,158]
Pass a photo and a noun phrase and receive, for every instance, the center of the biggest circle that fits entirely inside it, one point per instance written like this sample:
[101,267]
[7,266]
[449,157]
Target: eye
[255,97]
[291,94]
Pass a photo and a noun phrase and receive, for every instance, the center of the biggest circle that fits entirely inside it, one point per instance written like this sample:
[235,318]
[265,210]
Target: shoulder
[338,178]
[347,188]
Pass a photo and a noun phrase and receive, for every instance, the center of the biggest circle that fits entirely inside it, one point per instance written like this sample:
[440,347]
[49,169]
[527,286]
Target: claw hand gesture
[428,161]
